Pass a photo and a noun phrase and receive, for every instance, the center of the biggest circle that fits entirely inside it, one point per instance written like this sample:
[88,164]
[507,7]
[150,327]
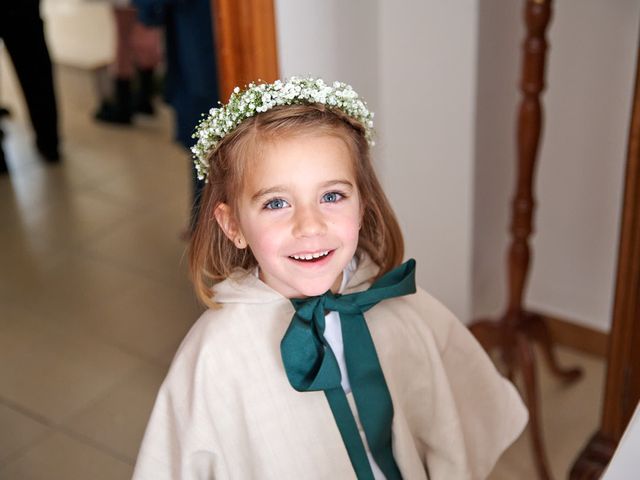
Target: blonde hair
[212,256]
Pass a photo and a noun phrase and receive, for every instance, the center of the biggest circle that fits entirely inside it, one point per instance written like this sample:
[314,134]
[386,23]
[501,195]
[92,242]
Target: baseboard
[576,336]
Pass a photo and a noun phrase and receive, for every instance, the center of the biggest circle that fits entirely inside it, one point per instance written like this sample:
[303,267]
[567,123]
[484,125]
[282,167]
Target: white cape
[227,411]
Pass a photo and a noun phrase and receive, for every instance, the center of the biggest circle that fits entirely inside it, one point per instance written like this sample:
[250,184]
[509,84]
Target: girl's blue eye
[332,197]
[276,204]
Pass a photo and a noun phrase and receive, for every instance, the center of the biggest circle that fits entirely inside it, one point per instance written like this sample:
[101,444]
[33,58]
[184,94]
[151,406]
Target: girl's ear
[229,225]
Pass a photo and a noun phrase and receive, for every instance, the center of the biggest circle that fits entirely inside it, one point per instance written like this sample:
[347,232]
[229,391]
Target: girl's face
[300,214]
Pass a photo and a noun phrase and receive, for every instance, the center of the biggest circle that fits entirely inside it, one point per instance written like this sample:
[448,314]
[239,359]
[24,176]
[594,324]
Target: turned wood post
[537,16]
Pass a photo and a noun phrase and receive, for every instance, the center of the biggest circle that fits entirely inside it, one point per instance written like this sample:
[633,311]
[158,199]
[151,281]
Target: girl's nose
[308,222]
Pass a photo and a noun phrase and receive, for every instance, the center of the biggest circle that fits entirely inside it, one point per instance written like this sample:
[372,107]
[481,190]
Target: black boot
[144,94]
[198,187]
[3,163]
[119,109]
[48,149]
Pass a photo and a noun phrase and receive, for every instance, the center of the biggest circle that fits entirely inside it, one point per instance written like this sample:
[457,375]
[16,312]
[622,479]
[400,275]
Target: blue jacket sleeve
[151,12]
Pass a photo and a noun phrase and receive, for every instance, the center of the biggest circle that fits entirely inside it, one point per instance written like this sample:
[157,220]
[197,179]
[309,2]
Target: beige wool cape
[227,411]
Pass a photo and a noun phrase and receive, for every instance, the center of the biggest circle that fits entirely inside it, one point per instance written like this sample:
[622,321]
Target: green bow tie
[311,365]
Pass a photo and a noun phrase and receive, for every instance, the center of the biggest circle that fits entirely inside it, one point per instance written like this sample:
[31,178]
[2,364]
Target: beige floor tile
[572,412]
[152,184]
[149,243]
[60,457]
[53,372]
[77,218]
[57,202]
[516,463]
[142,315]
[80,287]
[570,415]
[77,93]
[137,312]
[10,88]
[84,160]
[25,259]
[118,420]
[148,321]
[17,433]
[166,357]
[37,186]
[12,317]
[10,211]
[20,153]
[123,146]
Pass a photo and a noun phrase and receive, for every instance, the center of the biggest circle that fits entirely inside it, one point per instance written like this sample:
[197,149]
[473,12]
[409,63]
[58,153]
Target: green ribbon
[311,366]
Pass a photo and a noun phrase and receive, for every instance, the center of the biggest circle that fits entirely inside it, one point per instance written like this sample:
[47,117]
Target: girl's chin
[304,290]
[309,293]
[316,290]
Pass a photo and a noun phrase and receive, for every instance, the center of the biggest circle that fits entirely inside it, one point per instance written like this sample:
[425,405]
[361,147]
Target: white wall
[581,161]
[332,39]
[414,61]
[591,76]
[498,59]
[427,90]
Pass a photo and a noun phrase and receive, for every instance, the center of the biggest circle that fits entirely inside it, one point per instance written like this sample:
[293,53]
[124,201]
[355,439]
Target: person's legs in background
[129,61]
[3,162]
[198,186]
[22,30]
[146,59]
[118,109]
[188,109]
[191,81]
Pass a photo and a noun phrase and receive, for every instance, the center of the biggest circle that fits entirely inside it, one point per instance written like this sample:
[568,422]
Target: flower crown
[257,98]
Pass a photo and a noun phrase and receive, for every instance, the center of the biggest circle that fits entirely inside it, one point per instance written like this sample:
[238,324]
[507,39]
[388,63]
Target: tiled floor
[93,291]
[94,298]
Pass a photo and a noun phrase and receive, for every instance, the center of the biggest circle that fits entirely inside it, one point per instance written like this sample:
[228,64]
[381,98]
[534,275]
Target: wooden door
[245,38]
[622,386]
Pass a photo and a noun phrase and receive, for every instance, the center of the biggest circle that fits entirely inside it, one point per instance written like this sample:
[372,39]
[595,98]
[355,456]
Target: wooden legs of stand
[516,331]
[526,362]
[593,460]
[537,329]
[514,337]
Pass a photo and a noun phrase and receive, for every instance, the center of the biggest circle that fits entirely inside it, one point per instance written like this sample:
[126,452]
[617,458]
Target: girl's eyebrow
[263,192]
[331,183]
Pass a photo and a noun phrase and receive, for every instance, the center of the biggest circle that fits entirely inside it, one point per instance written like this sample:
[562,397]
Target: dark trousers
[22,31]
[198,187]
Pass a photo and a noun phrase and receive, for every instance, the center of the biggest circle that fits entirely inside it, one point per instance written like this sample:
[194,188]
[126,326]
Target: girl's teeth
[311,256]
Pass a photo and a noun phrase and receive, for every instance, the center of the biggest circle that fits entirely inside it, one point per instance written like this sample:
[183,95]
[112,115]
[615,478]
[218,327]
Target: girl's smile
[311,256]
[300,213]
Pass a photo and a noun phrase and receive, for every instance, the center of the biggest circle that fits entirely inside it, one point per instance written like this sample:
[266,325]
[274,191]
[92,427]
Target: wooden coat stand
[514,333]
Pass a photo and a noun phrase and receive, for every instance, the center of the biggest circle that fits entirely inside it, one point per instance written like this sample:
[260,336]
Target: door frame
[245,39]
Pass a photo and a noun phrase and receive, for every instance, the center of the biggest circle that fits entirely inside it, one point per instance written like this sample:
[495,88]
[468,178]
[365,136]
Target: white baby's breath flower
[259,98]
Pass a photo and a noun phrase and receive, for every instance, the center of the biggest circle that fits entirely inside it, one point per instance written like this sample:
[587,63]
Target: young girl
[317,359]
